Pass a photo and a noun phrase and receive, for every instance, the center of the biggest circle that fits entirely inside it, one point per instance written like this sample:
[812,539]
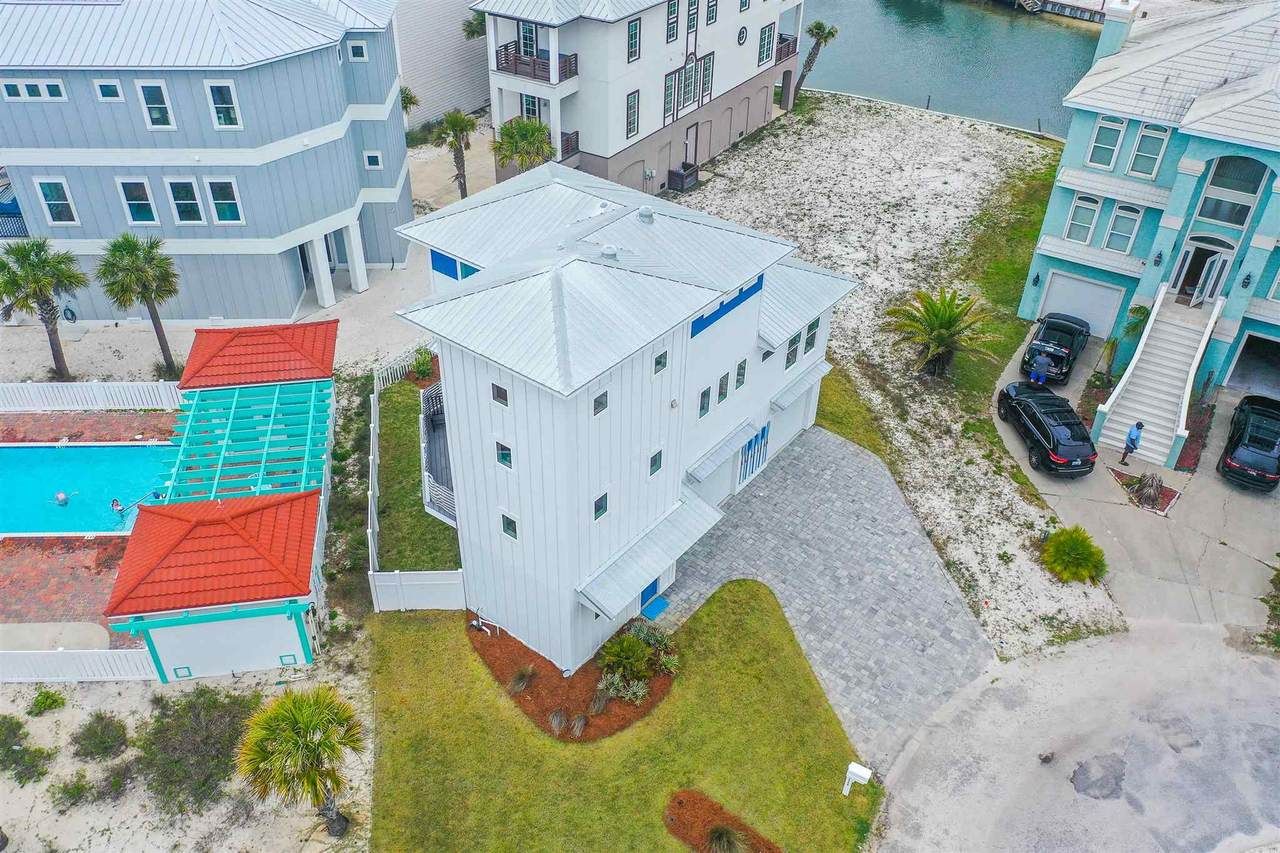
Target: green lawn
[843,412]
[408,538]
[459,767]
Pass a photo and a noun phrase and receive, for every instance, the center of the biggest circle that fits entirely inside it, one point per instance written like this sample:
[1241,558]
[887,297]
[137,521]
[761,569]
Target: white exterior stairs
[1156,381]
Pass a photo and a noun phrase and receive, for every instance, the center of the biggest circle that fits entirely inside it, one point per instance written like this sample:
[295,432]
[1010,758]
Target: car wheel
[1035,458]
[1002,410]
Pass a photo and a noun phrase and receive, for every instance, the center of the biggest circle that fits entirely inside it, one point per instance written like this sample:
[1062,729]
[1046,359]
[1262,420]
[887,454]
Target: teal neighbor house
[1166,198]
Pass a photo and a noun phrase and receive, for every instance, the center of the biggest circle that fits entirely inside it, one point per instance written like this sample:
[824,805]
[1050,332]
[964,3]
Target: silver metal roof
[794,293]
[556,12]
[1092,181]
[796,388]
[176,33]
[1070,250]
[622,579]
[723,451]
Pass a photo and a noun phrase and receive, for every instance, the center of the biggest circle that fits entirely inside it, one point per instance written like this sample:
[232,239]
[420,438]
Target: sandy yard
[883,193]
[237,823]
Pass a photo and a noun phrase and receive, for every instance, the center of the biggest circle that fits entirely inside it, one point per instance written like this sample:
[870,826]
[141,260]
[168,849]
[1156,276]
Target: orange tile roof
[253,355]
[209,553]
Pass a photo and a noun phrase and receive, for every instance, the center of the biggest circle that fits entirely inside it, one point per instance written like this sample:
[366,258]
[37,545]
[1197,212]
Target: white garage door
[1090,301]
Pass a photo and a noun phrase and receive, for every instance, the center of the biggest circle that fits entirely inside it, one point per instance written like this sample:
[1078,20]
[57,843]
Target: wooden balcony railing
[787,46]
[511,61]
[568,144]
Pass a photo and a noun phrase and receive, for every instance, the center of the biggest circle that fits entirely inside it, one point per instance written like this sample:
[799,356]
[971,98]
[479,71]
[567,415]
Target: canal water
[970,57]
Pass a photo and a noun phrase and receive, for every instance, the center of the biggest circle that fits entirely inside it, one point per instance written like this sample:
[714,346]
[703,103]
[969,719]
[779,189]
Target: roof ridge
[296,349]
[235,522]
[233,45]
[272,10]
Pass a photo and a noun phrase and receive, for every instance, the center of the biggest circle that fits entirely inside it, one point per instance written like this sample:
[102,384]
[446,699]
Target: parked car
[1252,455]
[1062,338]
[1056,438]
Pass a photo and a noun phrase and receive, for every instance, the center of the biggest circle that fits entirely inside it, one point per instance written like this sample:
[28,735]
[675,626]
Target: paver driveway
[883,625]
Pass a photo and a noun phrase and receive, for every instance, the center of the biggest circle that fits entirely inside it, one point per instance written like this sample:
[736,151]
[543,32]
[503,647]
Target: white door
[1091,301]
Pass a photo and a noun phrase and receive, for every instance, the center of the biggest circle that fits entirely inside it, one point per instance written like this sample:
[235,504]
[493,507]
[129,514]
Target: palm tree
[408,100]
[821,35]
[134,270]
[293,747]
[1138,316]
[32,277]
[525,142]
[454,132]
[938,327]
[473,27]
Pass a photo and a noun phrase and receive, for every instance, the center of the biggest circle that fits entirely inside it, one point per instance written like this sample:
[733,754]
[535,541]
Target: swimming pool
[90,475]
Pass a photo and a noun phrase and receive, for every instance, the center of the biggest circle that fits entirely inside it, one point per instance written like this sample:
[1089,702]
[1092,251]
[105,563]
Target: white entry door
[1091,301]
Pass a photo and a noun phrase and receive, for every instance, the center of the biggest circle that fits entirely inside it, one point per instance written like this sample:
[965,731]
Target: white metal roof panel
[622,579]
[798,387]
[795,293]
[723,451]
[1133,190]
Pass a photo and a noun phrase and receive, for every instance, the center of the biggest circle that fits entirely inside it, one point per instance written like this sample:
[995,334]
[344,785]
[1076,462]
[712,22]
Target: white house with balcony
[613,368]
[636,91]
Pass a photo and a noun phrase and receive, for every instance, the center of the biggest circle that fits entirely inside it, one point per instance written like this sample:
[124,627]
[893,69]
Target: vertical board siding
[382,245]
[87,396]
[74,665]
[442,68]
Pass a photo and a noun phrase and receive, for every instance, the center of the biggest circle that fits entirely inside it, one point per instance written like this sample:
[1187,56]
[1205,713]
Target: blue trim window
[288,660]
[444,264]
[182,672]
[702,323]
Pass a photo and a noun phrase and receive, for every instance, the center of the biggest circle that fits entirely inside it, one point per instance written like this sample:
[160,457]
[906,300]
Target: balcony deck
[787,46]
[511,61]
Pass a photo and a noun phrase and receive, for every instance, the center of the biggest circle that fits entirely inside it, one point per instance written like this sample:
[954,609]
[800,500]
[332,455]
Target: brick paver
[881,622]
[85,426]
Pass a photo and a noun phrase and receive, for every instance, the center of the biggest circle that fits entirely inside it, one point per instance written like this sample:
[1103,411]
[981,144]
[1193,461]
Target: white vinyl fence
[87,396]
[76,665]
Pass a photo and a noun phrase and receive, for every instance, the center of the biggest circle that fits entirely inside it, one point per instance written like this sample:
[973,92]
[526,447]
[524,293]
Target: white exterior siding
[220,648]
[442,68]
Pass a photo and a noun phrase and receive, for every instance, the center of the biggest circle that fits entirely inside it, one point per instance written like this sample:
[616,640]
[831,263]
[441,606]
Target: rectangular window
[373,161]
[1148,150]
[673,19]
[136,195]
[226,201]
[669,95]
[741,378]
[633,113]
[655,463]
[1124,223]
[601,506]
[793,350]
[704,402]
[766,45]
[504,454]
[528,39]
[633,40]
[713,11]
[184,201]
[59,209]
[34,90]
[154,95]
[223,105]
[108,90]
[1233,189]
[692,16]
[707,62]
[744,5]
[688,84]
[600,403]
[358,51]
[811,335]
[660,362]
[499,394]
[766,355]
[722,392]
[509,527]
[1083,216]
[529,106]
[1106,141]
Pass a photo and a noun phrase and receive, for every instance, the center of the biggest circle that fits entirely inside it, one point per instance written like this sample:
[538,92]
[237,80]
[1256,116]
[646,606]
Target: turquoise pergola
[250,440]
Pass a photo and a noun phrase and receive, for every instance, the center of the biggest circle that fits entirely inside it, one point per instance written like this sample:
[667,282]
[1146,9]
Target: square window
[811,335]
[358,51]
[504,454]
[793,350]
[182,672]
[226,201]
[601,506]
[704,402]
[600,403]
[32,89]
[722,393]
[660,362]
[185,202]
[655,463]
[744,5]
[108,90]
[11,90]
[741,378]
[53,90]
[373,160]
[288,660]
[509,527]
[499,394]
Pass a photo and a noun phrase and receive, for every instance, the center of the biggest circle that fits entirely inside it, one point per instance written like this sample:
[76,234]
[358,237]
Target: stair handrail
[1105,408]
[1195,365]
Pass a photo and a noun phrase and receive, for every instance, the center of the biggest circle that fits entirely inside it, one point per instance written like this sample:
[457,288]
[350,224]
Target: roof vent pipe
[646,214]
[609,251]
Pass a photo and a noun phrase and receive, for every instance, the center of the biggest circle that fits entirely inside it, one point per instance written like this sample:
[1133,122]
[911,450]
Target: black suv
[1057,441]
[1252,455]
[1062,338]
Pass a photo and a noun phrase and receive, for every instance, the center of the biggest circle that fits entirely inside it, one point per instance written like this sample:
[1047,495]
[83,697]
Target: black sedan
[1057,441]
[1252,455]
[1062,338]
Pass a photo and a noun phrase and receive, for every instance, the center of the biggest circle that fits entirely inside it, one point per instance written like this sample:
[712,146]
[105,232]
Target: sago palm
[525,142]
[938,327]
[822,35]
[135,270]
[454,132]
[293,748]
[473,27]
[32,277]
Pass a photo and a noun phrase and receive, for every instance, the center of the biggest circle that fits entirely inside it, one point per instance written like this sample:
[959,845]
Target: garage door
[1090,301]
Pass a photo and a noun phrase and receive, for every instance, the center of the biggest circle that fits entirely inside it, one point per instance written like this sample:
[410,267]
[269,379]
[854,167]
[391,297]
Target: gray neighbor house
[262,139]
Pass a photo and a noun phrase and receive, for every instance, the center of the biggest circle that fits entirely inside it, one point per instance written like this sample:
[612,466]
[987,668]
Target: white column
[555,127]
[495,104]
[355,257]
[491,36]
[553,51]
[320,273]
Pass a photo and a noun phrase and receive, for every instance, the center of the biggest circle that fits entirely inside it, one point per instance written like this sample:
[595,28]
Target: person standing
[1040,368]
[1131,442]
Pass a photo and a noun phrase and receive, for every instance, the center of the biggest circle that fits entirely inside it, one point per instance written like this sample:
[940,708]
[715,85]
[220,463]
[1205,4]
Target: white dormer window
[1106,141]
[373,161]
[358,51]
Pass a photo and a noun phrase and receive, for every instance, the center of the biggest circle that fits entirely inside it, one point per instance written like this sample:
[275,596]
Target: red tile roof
[208,553]
[253,355]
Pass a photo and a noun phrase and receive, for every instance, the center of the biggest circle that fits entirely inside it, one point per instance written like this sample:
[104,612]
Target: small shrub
[1147,490]
[46,700]
[636,691]
[115,781]
[422,364]
[611,685]
[725,839]
[598,701]
[578,726]
[557,720]
[102,736]
[627,655]
[1005,557]
[25,763]
[652,636]
[519,682]
[66,795]
[1071,555]
[669,663]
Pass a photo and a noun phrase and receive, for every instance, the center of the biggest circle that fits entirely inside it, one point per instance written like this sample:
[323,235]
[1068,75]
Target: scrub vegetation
[346,547]
[1070,554]
[460,765]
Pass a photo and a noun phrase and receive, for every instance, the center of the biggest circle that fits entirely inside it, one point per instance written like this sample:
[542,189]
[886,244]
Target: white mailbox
[856,773]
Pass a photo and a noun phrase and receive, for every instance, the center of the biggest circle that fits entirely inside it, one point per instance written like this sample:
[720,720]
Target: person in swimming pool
[116,505]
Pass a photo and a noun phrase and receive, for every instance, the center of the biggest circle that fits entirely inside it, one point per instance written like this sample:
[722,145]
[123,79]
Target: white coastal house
[637,91]
[613,367]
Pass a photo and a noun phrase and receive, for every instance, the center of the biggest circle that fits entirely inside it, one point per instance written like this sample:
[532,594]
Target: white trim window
[1107,134]
[33,90]
[55,198]
[224,106]
[528,39]
[224,201]
[156,112]
[669,94]
[529,106]
[655,463]
[358,51]
[108,91]
[1081,219]
[135,195]
[499,394]
[372,160]
[704,402]
[689,83]
[600,403]
[600,507]
[509,526]
[1123,227]
[1148,151]
[741,378]
[503,454]
[811,335]
[660,362]
[1232,190]
[793,351]
[184,201]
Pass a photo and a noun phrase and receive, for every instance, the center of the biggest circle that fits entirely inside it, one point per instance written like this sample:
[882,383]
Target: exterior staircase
[1153,389]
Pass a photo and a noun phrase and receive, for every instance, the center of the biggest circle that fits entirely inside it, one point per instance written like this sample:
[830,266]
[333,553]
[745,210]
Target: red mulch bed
[86,426]
[550,691]
[427,381]
[1198,421]
[1167,495]
[691,815]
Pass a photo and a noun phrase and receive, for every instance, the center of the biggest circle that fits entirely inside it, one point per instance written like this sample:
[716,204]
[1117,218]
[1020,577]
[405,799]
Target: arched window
[1083,216]
[1232,190]
[1124,224]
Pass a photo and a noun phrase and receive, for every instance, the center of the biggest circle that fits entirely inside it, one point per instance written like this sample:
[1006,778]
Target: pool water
[90,475]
